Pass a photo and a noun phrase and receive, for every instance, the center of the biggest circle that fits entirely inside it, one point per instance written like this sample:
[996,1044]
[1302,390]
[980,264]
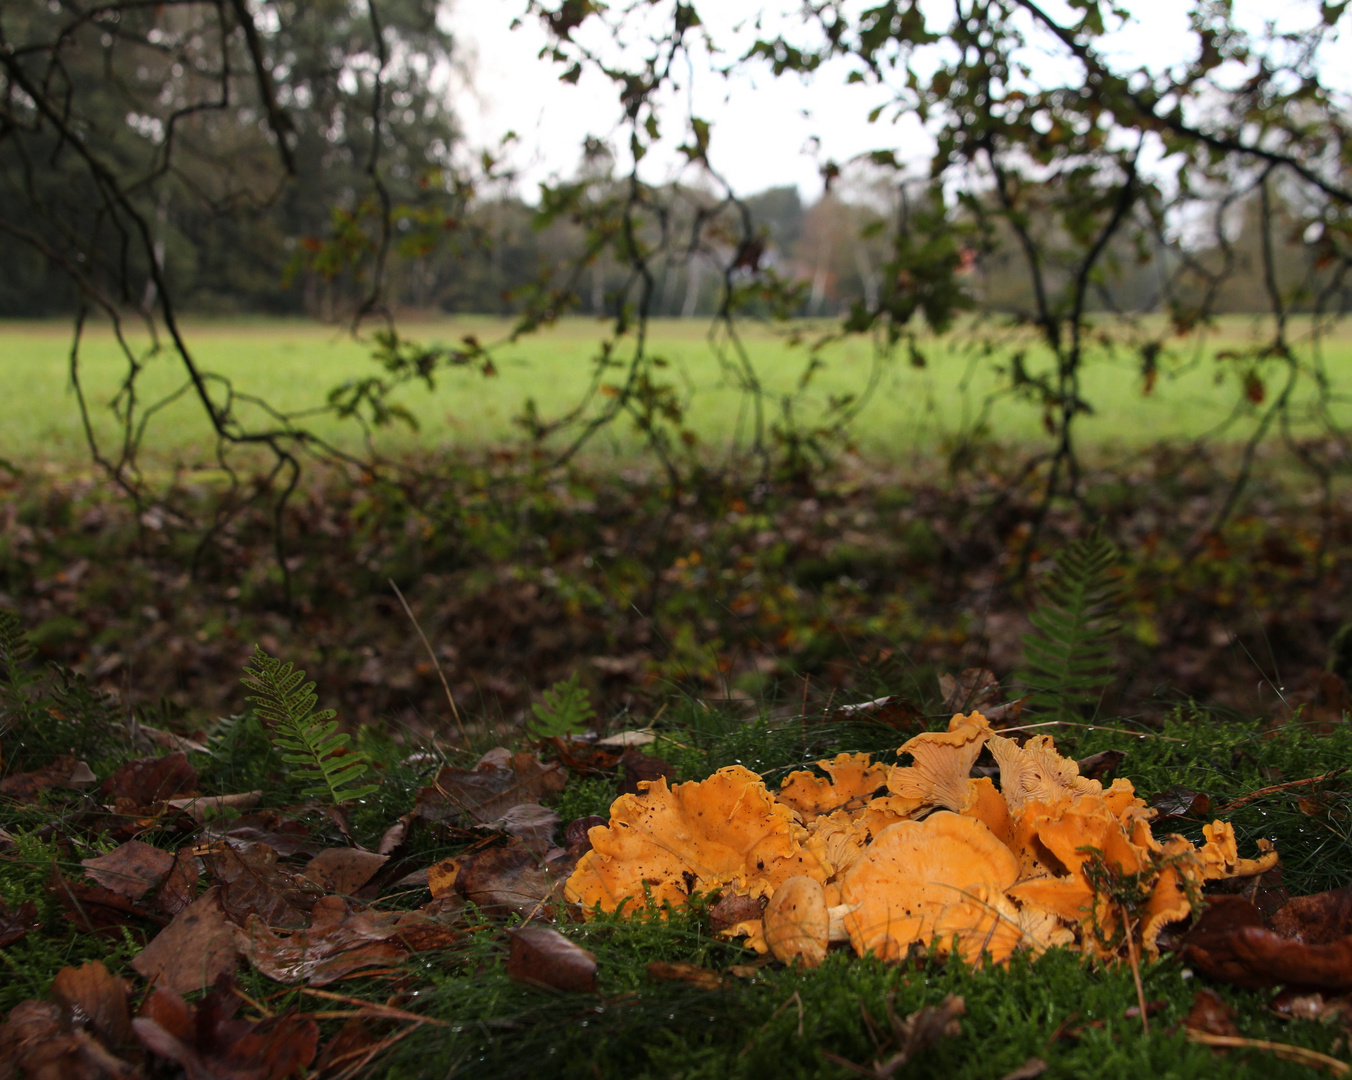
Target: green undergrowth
[770,1021]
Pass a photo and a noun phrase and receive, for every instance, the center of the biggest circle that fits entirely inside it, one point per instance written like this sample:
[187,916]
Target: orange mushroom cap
[852,779]
[942,877]
[670,844]
[1036,772]
[940,772]
[796,923]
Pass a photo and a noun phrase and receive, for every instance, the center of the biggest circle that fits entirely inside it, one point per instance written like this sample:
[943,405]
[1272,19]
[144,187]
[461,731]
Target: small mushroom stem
[835,930]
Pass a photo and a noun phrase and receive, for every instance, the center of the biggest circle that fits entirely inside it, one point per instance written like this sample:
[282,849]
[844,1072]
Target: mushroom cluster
[888,857]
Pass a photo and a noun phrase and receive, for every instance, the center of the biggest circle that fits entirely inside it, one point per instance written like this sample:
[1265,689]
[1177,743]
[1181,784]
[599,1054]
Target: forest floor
[726,624]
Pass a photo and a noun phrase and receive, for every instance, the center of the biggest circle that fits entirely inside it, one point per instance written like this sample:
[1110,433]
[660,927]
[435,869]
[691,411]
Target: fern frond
[566,709]
[1068,656]
[15,651]
[285,703]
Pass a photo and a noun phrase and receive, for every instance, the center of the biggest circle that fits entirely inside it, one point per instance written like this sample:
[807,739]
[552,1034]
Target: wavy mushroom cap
[672,843]
[941,765]
[1035,772]
[943,877]
[851,780]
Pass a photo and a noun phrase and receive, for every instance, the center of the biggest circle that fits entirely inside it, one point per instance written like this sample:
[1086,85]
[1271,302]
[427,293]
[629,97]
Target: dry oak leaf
[669,844]
[337,943]
[851,780]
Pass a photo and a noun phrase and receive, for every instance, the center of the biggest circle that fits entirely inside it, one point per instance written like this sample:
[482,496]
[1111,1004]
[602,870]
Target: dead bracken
[924,854]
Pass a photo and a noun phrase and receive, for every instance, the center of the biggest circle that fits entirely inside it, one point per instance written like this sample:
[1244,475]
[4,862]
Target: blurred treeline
[256,261]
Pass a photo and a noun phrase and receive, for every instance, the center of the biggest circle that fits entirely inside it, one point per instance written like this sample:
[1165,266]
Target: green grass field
[292,364]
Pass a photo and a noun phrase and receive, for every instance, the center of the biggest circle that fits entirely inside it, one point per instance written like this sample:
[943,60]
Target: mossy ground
[777,1021]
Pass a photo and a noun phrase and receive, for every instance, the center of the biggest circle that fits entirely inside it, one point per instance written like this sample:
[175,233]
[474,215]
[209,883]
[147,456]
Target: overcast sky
[763,127]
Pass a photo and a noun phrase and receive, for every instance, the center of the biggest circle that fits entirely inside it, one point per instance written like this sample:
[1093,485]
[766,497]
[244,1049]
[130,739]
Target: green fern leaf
[1068,656]
[566,709]
[285,703]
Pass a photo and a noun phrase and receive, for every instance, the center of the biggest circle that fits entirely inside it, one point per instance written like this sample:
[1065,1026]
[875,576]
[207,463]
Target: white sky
[763,127]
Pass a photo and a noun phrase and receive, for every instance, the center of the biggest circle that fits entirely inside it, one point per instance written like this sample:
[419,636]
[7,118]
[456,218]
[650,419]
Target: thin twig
[1298,1054]
[435,662]
[1136,972]
[1254,795]
[1094,727]
[384,1044]
[371,1009]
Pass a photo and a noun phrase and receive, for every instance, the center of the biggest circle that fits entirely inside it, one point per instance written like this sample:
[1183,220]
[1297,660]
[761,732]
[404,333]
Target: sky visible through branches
[768,132]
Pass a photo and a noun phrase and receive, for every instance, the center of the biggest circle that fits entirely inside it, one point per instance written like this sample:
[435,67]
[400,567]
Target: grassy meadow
[914,411]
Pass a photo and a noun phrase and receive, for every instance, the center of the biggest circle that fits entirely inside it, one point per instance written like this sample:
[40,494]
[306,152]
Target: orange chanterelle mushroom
[914,855]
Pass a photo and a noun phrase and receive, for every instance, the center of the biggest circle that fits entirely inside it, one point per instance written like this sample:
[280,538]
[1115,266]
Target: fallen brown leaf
[337,943]
[530,823]
[1180,802]
[730,909]
[147,781]
[202,807]
[1311,948]
[679,971]
[419,931]
[483,794]
[639,768]
[92,908]
[210,1045]
[1211,1014]
[96,999]
[508,880]
[253,884]
[64,772]
[1029,1070]
[131,869]
[193,950]
[575,836]
[179,887]
[441,876]
[15,924]
[544,957]
[36,1042]
[343,870]
[1102,765]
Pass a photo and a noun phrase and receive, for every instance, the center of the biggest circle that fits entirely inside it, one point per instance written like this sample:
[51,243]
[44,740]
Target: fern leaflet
[1068,655]
[285,703]
[565,710]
